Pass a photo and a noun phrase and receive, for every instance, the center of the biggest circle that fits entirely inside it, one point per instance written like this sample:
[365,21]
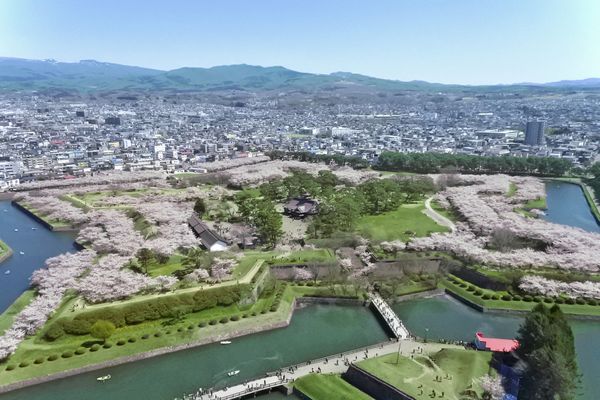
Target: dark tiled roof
[301,205]
[207,237]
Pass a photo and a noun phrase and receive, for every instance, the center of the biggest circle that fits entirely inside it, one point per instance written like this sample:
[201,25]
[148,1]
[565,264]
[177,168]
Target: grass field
[6,318]
[4,249]
[512,190]
[406,222]
[456,371]
[155,269]
[328,387]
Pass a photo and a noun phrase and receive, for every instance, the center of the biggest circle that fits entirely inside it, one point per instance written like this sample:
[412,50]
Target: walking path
[391,318]
[437,217]
[336,364]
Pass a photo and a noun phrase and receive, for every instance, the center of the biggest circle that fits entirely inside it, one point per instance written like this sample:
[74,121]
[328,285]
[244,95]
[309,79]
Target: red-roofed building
[493,344]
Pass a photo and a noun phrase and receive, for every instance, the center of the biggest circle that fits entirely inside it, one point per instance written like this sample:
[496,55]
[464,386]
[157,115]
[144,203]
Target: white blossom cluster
[552,288]
[221,268]
[55,209]
[111,231]
[107,281]
[222,165]
[393,246]
[108,178]
[492,385]
[268,171]
[486,209]
[59,275]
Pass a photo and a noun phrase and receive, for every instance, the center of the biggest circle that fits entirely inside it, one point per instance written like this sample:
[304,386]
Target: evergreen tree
[200,206]
[548,348]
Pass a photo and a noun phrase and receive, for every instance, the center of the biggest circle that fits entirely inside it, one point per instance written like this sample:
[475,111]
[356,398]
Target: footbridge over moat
[337,363]
[391,319]
[283,378]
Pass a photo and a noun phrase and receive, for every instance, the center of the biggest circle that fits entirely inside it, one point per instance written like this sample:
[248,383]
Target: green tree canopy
[547,346]
[102,329]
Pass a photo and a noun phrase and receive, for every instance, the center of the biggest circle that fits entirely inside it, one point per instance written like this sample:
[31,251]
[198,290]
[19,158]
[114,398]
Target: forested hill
[91,75]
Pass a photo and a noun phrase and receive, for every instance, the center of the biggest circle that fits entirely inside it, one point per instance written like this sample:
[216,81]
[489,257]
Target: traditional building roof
[207,237]
[301,206]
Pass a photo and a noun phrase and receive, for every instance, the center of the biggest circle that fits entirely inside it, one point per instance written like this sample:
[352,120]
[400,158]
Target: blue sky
[449,41]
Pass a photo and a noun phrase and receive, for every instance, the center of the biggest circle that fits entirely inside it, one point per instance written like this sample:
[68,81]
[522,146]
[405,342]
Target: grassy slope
[55,223]
[4,248]
[464,366]
[6,318]
[517,305]
[328,387]
[393,225]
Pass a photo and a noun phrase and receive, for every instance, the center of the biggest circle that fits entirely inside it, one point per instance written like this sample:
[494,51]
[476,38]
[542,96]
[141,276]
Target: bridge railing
[254,390]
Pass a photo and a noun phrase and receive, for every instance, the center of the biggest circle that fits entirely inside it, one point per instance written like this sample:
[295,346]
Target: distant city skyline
[460,41]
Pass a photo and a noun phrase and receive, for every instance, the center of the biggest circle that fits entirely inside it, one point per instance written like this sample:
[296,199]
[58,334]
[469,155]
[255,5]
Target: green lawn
[304,256]
[444,211]
[457,370]
[4,249]
[539,204]
[155,269]
[328,387]
[406,222]
[6,318]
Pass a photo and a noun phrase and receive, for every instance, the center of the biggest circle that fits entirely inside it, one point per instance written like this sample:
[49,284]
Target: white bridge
[389,316]
[336,363]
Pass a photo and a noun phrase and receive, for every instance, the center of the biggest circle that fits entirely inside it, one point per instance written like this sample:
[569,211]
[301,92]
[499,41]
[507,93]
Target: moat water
[315,331]
[446,318]
[567,205]
[24,234]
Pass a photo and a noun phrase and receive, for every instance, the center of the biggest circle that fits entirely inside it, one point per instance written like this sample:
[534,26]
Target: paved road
[336,364]
[434,215]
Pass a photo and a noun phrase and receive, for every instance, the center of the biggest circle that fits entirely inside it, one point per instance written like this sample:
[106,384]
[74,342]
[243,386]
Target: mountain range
[91,76]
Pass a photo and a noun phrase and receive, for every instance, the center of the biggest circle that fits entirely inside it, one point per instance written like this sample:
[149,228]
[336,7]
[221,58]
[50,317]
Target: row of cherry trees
[487,207]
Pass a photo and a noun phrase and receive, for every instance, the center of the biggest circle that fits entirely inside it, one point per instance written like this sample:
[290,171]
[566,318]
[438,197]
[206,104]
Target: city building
[534,133]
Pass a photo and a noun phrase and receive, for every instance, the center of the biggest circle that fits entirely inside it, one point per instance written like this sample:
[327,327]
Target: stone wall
[372,385]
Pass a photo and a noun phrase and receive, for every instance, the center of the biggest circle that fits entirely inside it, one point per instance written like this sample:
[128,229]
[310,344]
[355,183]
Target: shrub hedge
[150,310]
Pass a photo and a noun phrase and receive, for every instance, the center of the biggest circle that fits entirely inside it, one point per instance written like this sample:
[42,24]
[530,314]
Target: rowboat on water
[233,373]
[103,378]
[226,342]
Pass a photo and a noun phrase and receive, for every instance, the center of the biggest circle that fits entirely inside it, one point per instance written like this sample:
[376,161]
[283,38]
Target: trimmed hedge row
[515,297]
[149,310]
